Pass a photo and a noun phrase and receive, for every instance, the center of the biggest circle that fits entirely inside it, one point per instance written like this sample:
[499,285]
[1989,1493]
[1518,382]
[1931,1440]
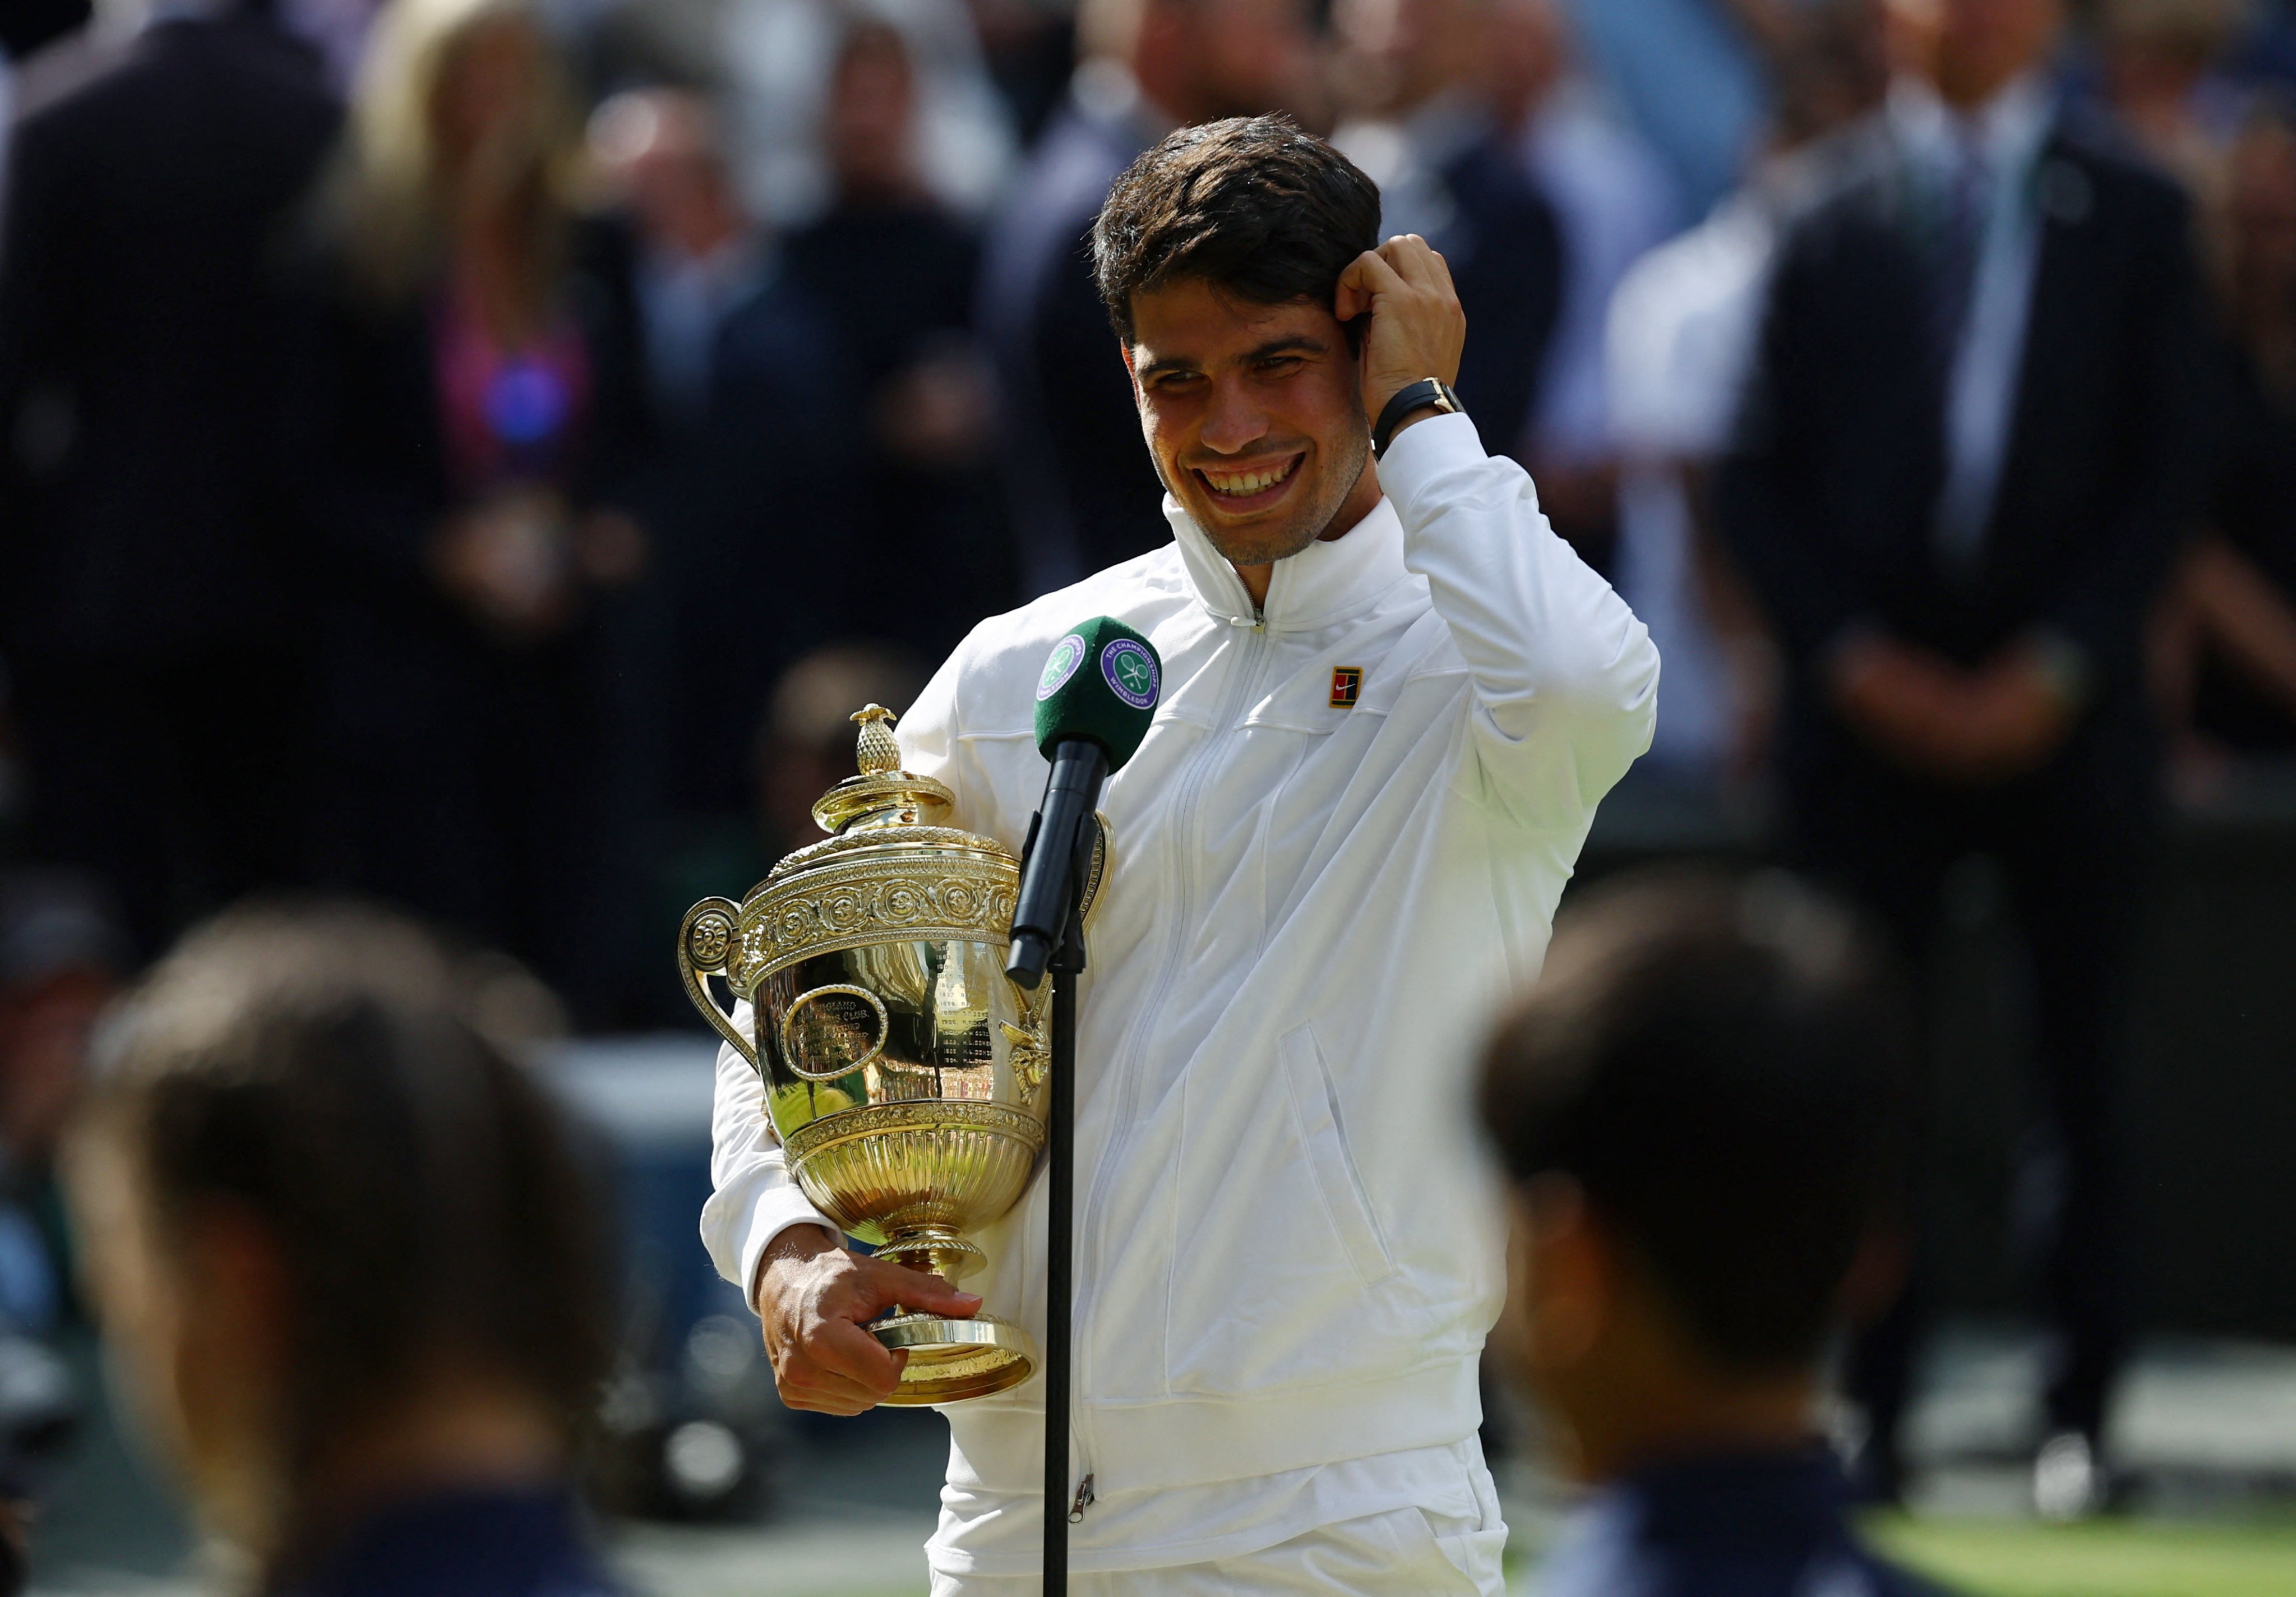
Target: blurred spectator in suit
[1975,441]
[154,612]
[352,1261]
[896,271]
[779,58]
[1030,48]
[1613,203]
[698,256]
[1699,1110]
[1081,490]
[758,415]
[474,399]
[1680,335]
[755,495]
[1421,127]
[2225,652]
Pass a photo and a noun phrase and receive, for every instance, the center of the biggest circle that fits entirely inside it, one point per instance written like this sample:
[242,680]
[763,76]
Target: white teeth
[1244,484]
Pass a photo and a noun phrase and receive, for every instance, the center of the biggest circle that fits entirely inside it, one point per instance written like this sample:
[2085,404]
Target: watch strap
[1427,393]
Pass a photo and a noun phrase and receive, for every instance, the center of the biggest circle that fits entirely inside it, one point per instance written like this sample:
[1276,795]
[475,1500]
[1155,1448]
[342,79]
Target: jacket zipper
[1186,809]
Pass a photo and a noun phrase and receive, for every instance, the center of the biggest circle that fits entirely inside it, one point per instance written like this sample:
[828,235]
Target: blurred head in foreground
[1698,1110]
[343,1250]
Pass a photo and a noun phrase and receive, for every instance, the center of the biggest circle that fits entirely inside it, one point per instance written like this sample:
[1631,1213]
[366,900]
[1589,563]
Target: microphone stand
[1067,962]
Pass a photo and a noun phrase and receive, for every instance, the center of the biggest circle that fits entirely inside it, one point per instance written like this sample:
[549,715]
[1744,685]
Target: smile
[1240,488]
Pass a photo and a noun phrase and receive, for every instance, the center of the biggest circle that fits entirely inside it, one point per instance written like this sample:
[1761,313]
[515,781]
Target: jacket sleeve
[1565,677]
[1762,487]
[2102,604]
[754,1199]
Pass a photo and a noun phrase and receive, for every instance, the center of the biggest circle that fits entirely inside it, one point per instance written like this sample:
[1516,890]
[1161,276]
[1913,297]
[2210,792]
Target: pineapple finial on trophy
[880,754]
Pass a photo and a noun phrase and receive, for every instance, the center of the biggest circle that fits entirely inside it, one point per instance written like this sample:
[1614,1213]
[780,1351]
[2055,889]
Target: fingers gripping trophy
[905,1076]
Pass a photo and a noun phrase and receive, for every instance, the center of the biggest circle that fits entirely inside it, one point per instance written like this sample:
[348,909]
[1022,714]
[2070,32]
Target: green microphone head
[1101,682]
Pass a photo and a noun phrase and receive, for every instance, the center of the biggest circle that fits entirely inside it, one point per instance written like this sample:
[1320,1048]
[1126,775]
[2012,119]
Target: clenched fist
[1416,328]
[816,1297]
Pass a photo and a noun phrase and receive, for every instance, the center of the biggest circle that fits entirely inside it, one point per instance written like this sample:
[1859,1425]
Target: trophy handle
[704,941]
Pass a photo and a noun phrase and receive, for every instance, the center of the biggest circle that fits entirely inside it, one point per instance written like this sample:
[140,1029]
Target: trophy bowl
[903,1074]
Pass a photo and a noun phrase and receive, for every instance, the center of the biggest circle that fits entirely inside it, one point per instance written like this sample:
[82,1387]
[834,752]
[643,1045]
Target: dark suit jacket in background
[1506,254]
[1082,491]
[1830,501]
[139,356]
[899,283]
[153,588]
[1830,506]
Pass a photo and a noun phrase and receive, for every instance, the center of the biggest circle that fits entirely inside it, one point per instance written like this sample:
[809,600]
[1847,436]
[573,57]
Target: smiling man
[1392,698]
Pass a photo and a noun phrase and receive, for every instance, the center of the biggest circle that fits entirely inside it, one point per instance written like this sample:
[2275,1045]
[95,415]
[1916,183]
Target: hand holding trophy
[904,1075]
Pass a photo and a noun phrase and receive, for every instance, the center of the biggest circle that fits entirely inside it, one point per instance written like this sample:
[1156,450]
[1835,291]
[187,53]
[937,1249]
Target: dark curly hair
[1251,205]
[1722,1065]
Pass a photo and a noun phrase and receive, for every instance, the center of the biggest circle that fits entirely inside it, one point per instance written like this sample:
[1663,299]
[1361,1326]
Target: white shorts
[1403,1552]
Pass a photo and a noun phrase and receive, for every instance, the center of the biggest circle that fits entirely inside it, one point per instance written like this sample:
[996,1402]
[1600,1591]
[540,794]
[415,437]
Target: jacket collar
[1323,583]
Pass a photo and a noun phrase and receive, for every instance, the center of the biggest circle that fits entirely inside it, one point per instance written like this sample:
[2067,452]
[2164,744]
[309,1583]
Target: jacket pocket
[1315,1112]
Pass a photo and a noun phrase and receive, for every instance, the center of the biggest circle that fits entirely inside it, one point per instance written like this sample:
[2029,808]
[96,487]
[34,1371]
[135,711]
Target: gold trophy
[904,1072]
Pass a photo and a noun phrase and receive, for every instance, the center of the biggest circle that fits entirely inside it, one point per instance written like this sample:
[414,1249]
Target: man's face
[1253,414]
[1420,46]
[1249,56]
[1979,46]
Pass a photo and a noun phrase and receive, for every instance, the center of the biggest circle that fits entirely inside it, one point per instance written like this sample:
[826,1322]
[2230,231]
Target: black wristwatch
[1428,393]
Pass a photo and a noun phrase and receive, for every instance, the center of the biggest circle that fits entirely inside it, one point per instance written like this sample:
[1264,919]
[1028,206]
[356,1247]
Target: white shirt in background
[1612,202]
[1680,342]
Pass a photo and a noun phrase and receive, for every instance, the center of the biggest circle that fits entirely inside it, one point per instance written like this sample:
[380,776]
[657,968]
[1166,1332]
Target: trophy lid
[882,794]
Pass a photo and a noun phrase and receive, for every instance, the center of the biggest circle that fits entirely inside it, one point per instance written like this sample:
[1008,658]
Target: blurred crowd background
[475,455]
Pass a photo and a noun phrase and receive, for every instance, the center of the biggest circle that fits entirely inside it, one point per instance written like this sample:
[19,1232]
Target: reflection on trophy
[904,1073]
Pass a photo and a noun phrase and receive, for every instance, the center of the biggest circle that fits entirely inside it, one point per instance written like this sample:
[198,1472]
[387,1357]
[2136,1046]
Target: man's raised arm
[1566,678]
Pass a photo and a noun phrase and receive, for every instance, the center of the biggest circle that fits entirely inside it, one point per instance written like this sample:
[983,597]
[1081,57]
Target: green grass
[1998,1558]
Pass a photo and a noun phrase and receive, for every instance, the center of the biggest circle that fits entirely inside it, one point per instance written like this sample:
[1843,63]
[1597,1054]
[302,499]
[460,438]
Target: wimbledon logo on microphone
[1130,670]
[1061,664]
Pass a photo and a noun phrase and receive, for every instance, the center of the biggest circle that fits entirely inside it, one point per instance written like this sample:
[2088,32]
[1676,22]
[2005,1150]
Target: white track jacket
[1337,850]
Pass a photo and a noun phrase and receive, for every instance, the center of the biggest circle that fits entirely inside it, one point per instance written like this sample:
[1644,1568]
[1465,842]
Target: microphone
[1093,703]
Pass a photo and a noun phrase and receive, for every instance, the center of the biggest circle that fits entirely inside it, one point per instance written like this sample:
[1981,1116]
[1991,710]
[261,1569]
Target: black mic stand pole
[1067,962]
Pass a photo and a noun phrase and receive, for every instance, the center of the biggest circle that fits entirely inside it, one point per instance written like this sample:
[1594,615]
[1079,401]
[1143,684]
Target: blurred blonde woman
[478,420]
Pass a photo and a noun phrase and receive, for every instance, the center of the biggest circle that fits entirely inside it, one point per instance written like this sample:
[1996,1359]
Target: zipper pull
[1084,1500]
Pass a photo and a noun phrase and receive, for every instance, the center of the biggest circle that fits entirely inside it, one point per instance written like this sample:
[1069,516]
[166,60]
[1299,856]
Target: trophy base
[952,1360]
